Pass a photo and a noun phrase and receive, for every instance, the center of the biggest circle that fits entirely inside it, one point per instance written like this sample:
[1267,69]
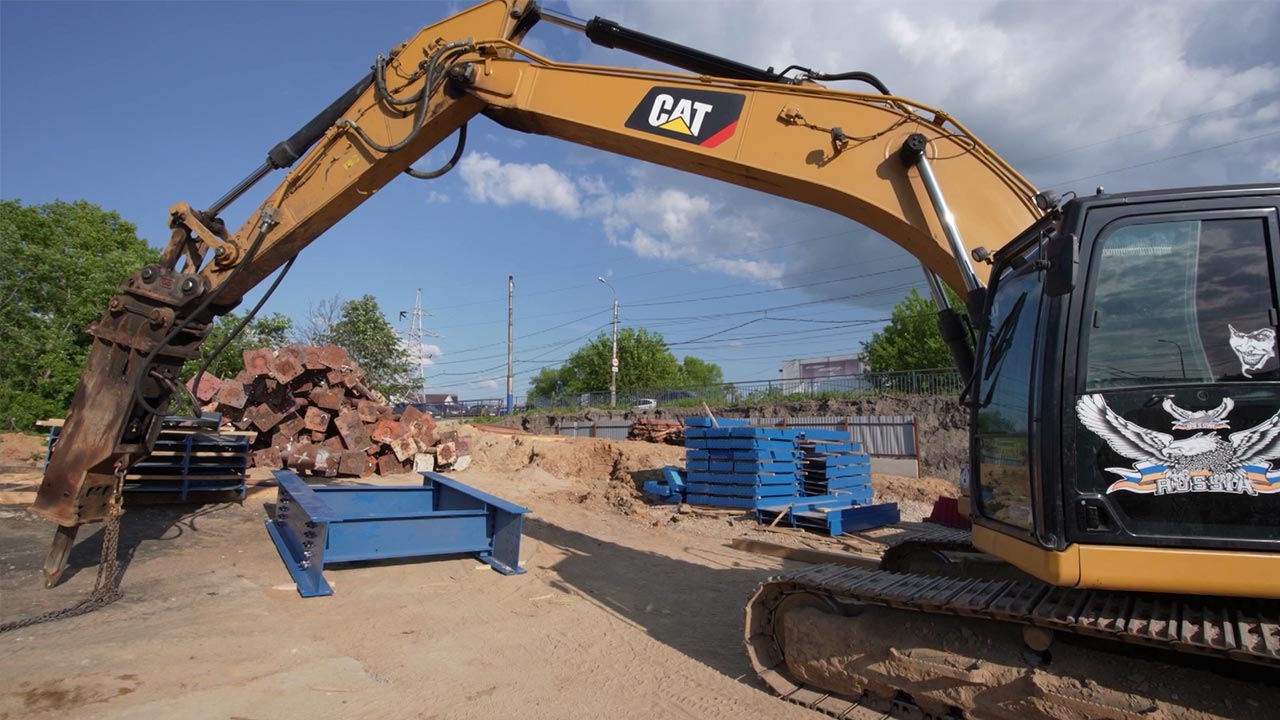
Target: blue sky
[137,106]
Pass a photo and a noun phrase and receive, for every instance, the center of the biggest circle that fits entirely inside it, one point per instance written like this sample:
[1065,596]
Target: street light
[1181,362]
[613,363]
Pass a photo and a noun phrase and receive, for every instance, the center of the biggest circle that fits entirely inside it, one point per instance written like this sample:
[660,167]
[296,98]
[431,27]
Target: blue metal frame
[315,524]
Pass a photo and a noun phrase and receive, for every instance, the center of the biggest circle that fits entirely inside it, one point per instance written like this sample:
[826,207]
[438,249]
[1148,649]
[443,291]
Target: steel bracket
[318,524]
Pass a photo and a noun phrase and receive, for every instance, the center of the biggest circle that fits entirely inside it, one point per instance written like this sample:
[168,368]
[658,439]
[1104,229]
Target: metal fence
[912,382]
[883,437]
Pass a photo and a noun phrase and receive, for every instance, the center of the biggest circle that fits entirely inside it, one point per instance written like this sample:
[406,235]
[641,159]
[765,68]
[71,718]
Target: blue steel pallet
[744,478]
[852,459]
[773,492]
[764,455]
[840,471]
[741,432]
[820,435]
[705,422]
[185,462]
[829,448]
[745,503]
[831,520]
[671,488]
[739,444]
[317,524]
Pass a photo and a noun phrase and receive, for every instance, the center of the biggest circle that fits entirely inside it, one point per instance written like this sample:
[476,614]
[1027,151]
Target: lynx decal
[1204,462]
[701,117]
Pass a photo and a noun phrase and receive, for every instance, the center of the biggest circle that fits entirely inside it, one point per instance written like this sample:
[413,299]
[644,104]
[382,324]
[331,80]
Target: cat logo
[700,117]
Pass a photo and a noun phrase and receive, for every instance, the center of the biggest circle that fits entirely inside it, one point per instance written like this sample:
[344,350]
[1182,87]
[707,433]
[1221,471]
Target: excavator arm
[850,153]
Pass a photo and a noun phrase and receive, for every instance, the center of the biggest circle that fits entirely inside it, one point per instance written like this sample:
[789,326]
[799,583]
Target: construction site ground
[627,610]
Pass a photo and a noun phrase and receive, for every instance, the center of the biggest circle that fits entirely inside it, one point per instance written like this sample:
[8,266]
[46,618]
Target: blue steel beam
[315,524]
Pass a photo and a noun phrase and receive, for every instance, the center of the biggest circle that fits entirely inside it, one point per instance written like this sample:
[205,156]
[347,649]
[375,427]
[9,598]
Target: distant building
[416,398]
[823,367]
[824,374]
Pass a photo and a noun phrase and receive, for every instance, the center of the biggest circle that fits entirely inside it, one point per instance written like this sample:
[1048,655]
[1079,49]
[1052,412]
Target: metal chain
[106,589]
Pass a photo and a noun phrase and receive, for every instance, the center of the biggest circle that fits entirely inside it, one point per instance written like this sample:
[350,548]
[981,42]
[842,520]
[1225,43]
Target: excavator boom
[1065,390]
[835,150]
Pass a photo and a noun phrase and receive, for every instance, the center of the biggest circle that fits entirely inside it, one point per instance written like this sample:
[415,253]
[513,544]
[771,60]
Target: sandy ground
[626,610]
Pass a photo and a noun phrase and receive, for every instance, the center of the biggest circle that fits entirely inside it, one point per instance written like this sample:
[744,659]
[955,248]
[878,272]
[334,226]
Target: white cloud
[436,198]
[542,186]
[424,354]
[1032,79]
[1063,91]
[488,384]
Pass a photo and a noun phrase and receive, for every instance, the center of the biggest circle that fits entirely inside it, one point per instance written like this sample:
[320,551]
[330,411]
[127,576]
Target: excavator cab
[1125,408]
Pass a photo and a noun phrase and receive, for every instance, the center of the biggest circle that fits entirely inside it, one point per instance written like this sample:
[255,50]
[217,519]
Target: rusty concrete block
[424,462]
[446,453]
[208,390]
[411,414]
[268,458]
[286,366]
[258,361]
[354,434]
[327,397]
[291,426]
[386,431]
[420,432]
[352,462]
[264,418]
[389,465]
[232,394]
[311,358]
[369,410]
[404,447]
[317,419]
[334,357]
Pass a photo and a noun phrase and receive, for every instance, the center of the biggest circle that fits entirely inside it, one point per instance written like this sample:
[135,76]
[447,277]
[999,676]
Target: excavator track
[1223,628]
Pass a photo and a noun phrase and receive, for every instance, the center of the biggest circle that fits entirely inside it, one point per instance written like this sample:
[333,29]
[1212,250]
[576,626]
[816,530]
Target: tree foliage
[272,331]
[644,364]
[911,340]
[699,373]
[59,264]
[366,334]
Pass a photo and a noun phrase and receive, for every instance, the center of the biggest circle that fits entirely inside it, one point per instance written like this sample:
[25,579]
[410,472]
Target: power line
[1166,159]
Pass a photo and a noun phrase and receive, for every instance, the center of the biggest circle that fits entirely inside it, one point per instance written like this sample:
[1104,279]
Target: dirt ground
[627,610]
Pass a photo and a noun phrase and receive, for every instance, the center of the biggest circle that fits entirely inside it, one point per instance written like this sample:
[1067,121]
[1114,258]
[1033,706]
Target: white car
[645,404]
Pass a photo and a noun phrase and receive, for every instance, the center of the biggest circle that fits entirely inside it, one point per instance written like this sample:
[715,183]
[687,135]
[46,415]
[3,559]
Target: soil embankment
[942,423]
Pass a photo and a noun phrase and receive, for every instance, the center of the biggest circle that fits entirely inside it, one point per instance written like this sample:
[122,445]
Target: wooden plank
[808,555]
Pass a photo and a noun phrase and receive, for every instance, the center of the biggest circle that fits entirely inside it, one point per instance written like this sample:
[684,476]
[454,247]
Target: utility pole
[511,353]
[613,363]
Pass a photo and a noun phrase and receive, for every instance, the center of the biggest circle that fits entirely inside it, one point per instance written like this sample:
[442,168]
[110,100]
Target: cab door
[1171,432]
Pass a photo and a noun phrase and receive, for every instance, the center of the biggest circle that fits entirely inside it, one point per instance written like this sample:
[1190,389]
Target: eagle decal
[1204,462]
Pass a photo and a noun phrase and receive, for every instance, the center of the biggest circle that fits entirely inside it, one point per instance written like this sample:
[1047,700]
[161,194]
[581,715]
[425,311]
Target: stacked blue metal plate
[832,464]
[741,466]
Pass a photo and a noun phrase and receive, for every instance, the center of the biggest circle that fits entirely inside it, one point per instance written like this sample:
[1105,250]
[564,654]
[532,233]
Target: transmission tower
[415,337]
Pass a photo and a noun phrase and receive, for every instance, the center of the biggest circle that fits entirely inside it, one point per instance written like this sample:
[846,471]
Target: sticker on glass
[1203,462]
[1253,349]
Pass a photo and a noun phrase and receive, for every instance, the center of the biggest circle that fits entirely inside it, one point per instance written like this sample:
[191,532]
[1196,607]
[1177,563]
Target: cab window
[1186,301]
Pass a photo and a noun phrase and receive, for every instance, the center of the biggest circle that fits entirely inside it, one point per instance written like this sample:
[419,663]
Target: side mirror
[1063,254]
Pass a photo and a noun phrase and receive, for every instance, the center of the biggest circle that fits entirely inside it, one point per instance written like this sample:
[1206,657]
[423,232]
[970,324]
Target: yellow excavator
[1120,349]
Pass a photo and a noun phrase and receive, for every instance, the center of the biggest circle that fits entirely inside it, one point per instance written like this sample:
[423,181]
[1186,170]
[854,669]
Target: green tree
[365,333]
[911,340]
[59,264]
[644,364]
[272,331]
[699,373]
